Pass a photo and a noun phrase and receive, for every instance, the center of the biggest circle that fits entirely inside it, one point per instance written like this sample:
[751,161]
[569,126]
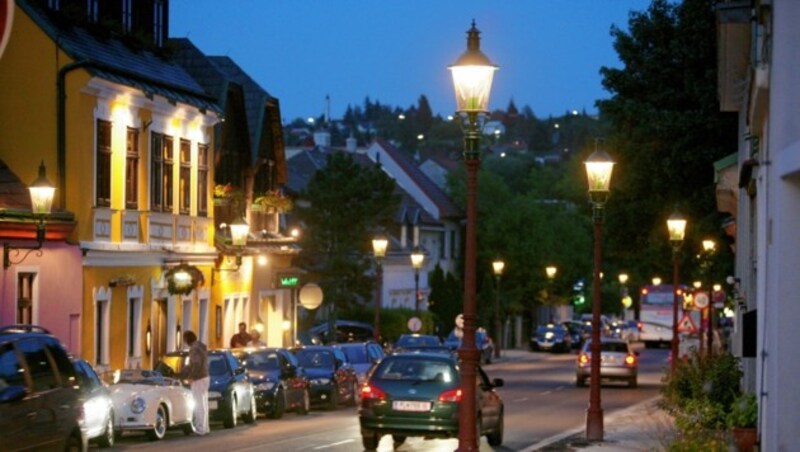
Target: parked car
[419,342]
[98,408]
[333,379]
[482,341]
[40,408]
[618,361]
[281,384]
[145,400]
[552,338]
[346,331]
[231,394]
[418,394]
[575,328]
[362,356]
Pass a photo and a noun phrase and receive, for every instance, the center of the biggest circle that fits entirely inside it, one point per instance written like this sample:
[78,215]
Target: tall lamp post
[379,245]
[550,271]
[417,258]
[676,226]
[472,78]
[497,267]
[708,247]
[598,170]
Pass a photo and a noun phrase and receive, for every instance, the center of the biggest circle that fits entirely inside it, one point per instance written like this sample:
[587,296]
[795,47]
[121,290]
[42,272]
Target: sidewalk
[640,427]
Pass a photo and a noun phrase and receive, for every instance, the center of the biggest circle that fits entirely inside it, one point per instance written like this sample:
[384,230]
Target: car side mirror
[12,394]
[339,363]
[498,382]
[239,371]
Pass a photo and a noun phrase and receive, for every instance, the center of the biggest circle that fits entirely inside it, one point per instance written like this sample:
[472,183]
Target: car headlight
[138,405]
[265,386]
[320,381]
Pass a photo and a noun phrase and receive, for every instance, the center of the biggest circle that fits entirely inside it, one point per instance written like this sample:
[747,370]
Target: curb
[578,430]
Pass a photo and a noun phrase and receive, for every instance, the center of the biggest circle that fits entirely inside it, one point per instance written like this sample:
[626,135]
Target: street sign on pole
[686,325]
[701,300]
[718,297]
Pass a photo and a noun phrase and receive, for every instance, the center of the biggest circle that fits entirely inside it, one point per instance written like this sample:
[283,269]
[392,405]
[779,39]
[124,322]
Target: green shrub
[744,411]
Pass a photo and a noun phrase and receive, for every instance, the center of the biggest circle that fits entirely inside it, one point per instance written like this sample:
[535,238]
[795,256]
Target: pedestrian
[255,340]
[196,371]
[241,338]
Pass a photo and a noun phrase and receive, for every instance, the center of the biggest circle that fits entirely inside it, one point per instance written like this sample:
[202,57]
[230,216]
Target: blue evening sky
[393,51]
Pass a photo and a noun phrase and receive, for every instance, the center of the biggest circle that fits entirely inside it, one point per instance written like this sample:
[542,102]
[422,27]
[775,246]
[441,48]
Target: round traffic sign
[414,324]
[701,300]
[310,296]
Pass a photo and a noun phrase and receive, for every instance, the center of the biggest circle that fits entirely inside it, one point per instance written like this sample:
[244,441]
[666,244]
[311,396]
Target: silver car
[618,361]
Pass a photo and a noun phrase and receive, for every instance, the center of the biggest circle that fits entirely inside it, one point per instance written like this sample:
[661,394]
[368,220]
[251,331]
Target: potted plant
[742,421]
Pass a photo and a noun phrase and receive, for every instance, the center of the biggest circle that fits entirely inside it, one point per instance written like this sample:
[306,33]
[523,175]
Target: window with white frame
[102,320]
[103,164]
[134,337]
[185,177]
[202,180]
[161,162]
[132,169]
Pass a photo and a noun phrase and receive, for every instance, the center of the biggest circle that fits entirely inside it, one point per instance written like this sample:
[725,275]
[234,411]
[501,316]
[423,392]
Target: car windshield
[262,361]
[216,365]
[413,368]
[356,355]
[418,341]
[315,358]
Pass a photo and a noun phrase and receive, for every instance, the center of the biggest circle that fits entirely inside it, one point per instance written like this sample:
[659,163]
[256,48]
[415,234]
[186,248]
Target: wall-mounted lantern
[41,191]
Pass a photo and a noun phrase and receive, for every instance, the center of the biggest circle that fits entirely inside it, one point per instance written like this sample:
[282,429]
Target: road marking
[559,388]
[326,446]
[520,400]
[545,393]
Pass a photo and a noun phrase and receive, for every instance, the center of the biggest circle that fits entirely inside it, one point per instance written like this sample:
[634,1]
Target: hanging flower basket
[183,279]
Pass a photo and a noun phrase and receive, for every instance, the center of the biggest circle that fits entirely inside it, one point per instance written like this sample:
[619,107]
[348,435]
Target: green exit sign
[288,281]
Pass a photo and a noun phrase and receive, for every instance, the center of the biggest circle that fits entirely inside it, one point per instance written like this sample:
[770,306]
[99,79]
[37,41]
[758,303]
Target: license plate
[212,404]
[407,405]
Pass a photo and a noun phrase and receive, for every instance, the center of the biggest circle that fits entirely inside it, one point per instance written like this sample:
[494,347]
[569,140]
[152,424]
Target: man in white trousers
[196,371]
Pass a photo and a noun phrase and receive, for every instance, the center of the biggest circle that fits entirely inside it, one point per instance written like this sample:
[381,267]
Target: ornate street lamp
[709,246]
[676,225]
[41,192]
[598,170]
[497,268]
[472,78]
[239,232]
[417,258]
[379,246]
[550,271]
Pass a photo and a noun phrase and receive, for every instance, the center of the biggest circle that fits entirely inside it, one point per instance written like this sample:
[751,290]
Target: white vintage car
[145,400]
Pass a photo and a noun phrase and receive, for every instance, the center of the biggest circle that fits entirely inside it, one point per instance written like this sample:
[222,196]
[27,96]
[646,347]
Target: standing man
[241,338]
[196,371]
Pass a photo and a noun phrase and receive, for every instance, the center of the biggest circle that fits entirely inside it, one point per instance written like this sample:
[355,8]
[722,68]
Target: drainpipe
[61,118]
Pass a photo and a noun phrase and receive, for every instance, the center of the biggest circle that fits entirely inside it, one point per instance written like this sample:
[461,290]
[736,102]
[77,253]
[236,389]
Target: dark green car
[417,394]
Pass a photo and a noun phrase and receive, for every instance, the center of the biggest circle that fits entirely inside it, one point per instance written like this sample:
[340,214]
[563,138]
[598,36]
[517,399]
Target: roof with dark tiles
[447,208]
[111,58]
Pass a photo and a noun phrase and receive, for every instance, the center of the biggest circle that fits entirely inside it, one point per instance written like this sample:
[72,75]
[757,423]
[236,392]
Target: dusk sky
[549,51]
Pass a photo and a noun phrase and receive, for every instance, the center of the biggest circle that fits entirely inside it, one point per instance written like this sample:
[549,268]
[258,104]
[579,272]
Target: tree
[344,204]
[668,130]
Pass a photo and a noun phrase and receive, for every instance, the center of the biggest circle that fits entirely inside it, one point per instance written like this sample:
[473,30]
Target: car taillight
[639,326]
[630,360]
[372,393]
[452,395]
[583,358]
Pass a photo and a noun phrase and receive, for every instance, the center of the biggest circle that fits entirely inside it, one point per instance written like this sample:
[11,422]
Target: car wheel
[333,401]
[305,403]
[496,437]
[370,439]
[230,419]
[279,406]
[74,443]
[252,414]
[107,439]
[632,383]
[159,426]
[398,440]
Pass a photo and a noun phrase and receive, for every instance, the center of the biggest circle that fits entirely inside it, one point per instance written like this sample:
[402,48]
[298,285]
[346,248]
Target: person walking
[196,371]
[241,338]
